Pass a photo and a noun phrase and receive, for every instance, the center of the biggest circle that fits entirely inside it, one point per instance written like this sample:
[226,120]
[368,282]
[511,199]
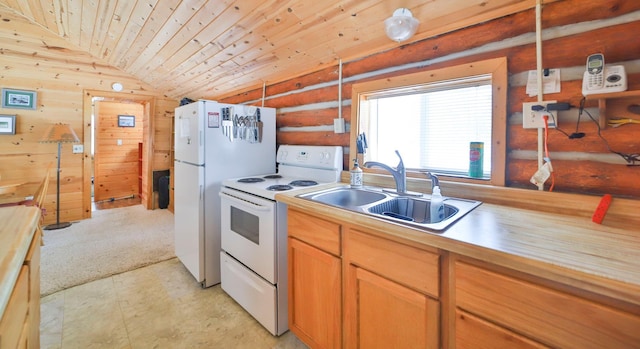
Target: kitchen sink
[410,211]
[347,197]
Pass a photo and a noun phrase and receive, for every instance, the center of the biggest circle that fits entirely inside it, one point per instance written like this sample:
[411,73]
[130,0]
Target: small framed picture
[7,124]
[18,99]
[126,121]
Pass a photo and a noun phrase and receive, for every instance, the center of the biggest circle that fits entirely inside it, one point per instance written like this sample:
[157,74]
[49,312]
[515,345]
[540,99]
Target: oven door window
[245,224]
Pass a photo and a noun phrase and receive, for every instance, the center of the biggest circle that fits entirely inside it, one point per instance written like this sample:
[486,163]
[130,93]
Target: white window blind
[432,125]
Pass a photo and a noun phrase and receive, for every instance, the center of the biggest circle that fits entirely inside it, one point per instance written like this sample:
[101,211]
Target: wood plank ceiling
[206,48]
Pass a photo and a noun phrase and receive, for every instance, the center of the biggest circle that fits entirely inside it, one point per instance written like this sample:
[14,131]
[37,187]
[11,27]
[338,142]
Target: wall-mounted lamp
[401,26]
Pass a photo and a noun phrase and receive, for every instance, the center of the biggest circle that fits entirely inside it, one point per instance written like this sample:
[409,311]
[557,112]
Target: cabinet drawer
[554,318]
[475,333]
[404,264]
[315,231]
[15,313]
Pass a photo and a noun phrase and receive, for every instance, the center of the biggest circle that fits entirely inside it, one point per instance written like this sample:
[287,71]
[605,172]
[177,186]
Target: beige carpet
[111,242]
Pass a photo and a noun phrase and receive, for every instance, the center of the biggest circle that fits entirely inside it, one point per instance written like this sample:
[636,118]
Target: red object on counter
[602,208]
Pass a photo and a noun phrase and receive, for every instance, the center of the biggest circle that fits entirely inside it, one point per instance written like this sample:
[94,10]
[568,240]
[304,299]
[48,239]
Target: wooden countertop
[17,227]
[568,249]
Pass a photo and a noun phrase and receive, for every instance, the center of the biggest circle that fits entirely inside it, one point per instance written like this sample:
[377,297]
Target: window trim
[496,67]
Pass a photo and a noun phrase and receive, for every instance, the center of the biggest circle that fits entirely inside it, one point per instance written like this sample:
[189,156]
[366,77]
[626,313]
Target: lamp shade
[401,25]
[59,133]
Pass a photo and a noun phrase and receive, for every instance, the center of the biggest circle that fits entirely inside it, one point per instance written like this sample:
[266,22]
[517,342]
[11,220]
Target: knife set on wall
[244,127]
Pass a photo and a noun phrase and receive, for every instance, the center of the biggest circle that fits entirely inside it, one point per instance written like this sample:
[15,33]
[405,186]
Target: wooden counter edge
[22,222]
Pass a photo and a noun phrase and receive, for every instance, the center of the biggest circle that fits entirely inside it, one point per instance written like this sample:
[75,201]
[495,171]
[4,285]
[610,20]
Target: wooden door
[385,314]
[314,295]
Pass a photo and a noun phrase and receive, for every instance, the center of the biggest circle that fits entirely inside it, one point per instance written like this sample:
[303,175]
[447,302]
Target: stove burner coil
[250,180]
[272,176]
[303,183]
[279,187]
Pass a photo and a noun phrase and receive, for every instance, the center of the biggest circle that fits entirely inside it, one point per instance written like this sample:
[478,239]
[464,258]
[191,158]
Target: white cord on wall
[340,89]
[539,82]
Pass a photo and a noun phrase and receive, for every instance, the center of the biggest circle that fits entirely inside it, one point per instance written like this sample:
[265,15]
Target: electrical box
[534,118]
[78,148]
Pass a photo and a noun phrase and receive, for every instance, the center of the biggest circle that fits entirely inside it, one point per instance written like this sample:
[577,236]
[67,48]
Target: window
[431,117]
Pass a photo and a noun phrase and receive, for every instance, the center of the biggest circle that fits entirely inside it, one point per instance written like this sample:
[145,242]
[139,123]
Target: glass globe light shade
[401,25]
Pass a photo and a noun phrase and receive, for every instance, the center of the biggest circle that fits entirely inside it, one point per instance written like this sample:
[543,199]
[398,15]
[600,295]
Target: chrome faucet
[434,180]
[399,174]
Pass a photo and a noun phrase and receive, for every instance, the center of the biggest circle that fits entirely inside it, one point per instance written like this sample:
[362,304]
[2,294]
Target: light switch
[119,142]
[78,148]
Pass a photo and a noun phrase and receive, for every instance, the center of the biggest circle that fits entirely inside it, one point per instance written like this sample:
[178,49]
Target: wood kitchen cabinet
[390,289]
[315,280]
[497,308]
[400,291]
[391,294]
[20,321]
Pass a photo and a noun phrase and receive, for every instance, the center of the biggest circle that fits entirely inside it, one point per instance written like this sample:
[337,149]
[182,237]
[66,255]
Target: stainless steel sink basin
[347,197]
[411,211]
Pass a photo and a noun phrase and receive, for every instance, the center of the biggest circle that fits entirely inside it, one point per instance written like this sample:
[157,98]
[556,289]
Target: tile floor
[158,306]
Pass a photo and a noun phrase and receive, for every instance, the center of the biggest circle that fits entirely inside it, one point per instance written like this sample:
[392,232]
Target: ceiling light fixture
[116,86]
[401,26]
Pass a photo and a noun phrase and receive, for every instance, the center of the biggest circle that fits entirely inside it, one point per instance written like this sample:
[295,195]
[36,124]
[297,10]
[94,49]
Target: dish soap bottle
[436,206]
[356,175]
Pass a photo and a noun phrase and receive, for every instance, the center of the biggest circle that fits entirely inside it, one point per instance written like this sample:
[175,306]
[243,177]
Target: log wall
[572,30]
[33,60]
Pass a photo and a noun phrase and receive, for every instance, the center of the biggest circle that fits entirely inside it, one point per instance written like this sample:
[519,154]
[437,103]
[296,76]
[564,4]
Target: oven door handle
[255,206]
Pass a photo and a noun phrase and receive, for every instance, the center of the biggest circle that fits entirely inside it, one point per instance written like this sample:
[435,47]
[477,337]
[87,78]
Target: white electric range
[254,229]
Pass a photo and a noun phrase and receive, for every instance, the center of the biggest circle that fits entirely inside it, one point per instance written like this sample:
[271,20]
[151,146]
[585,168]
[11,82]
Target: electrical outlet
[78,148]
[534,119]
[338,125]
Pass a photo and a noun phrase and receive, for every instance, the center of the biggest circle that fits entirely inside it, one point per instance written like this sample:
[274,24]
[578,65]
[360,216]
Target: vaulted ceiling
[211,48]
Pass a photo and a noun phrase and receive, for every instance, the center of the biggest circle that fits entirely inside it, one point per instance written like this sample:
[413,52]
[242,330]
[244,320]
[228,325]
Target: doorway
[117,152]
[142,154]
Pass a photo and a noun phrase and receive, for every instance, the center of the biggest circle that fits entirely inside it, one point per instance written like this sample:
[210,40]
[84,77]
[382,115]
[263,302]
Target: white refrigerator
[213,142]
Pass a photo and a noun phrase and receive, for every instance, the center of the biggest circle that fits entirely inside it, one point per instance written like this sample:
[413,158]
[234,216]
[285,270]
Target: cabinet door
[474,333]
[314,295]
[15,315]
[383,314]
[32,260]
[549,316]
